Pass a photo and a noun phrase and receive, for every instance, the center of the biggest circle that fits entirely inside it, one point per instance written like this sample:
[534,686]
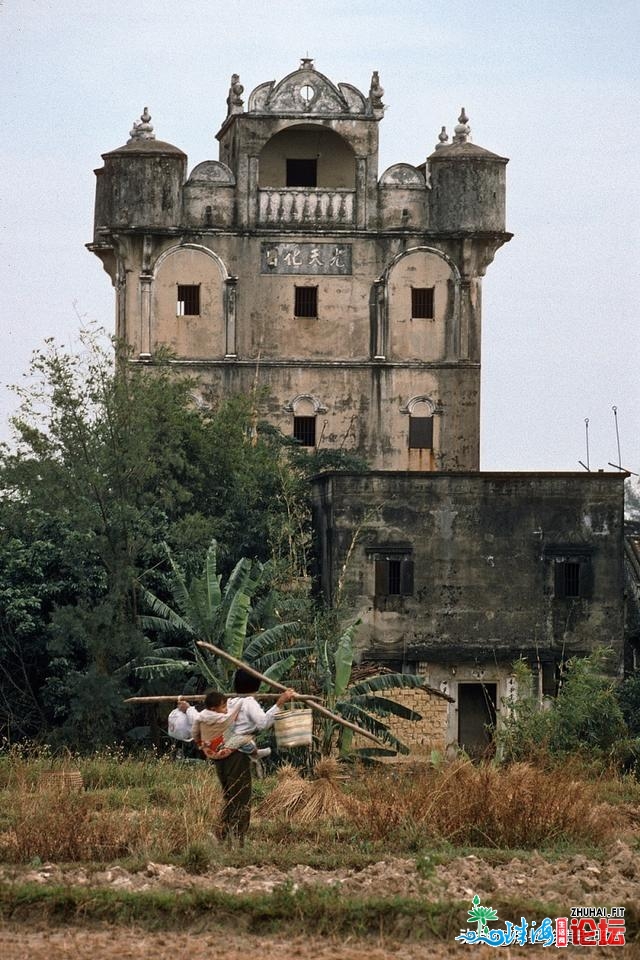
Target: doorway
[476,718]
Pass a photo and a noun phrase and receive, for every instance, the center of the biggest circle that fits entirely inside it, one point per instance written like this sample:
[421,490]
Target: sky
[553,85]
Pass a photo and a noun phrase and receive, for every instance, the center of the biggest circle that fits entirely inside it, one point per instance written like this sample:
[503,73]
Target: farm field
[372,863]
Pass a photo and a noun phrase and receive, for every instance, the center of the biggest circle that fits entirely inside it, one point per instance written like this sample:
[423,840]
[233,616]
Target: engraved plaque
[314,259]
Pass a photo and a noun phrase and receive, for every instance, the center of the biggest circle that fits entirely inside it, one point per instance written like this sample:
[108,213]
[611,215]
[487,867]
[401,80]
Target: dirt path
[573,881]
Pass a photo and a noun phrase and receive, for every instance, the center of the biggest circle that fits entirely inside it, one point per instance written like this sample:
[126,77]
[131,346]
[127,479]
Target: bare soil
[573,881]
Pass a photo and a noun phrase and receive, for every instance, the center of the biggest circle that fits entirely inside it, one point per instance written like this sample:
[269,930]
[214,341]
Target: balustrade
[297,206]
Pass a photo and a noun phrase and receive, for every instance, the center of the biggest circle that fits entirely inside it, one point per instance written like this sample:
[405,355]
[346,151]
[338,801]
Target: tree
[585,716]
[109,462]
[224,616]
[361,702]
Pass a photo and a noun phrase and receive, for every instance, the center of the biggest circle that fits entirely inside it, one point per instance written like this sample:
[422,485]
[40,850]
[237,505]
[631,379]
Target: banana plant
[204,609]
[361,702]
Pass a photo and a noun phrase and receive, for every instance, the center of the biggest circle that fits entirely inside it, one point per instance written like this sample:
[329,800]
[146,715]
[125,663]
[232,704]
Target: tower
[353,297]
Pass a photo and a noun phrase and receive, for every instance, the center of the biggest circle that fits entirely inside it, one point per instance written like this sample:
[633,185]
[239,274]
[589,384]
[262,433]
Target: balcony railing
[297,206]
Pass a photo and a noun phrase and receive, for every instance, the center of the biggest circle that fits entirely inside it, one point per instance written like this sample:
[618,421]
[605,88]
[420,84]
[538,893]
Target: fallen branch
[279,686]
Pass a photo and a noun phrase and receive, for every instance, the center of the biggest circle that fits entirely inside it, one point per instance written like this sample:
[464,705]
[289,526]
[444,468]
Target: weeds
[157,810]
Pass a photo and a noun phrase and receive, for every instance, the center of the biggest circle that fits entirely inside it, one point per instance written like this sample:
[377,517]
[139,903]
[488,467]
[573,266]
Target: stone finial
[462,129]
[306,63]
[144,129]
[376,93]
[234,100]
[443,137]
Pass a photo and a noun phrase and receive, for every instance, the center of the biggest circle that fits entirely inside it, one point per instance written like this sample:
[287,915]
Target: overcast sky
[552,84]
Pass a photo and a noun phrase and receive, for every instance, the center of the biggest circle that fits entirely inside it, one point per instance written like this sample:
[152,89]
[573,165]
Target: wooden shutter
[382,578]
[406,577]
[421,432]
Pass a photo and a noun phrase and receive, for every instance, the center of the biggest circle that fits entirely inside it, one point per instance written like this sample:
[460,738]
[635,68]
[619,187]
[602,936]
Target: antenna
[586,431]
[615,417]
[624,469]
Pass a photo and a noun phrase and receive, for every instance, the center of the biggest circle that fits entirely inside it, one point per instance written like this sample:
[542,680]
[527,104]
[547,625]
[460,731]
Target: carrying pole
[279,686]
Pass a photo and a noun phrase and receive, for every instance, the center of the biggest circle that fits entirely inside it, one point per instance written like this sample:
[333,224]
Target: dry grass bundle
[325,798]
[306,801]
[287,795]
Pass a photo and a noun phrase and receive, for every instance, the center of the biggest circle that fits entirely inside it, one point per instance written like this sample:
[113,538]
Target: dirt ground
[574,881]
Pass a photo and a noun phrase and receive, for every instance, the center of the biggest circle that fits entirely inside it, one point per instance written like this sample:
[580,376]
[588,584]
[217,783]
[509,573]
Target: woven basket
[65,781]
[294,728]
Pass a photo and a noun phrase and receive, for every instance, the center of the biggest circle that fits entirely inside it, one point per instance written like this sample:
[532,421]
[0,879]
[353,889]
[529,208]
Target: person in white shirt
[211,729]
[180,723]
[234,772]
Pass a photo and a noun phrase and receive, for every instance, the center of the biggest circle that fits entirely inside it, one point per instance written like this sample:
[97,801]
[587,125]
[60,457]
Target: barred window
[394,576]
[188,300]
[304,431]
[306,302]
[422,303]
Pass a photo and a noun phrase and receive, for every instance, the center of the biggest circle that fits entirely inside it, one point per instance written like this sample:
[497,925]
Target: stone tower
[354,297]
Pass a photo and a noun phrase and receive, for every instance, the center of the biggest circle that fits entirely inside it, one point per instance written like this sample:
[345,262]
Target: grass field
[392,853]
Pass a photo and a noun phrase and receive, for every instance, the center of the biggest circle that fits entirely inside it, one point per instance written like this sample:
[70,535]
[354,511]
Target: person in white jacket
[234,772]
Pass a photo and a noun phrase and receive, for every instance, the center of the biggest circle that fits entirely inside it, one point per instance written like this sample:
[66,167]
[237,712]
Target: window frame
[572,571]
[423,310]
[305,300]
[298,421]
[394,572]
[188,299]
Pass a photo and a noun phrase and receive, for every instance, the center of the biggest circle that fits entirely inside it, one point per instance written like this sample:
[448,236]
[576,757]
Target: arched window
[305,409]
[421,425]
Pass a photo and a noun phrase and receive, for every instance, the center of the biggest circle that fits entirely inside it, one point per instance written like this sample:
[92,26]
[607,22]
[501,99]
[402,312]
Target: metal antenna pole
[615,417]
[586,430]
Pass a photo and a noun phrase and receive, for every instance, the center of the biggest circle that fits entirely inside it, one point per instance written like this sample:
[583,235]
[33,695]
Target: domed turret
[140,184]
[468,184]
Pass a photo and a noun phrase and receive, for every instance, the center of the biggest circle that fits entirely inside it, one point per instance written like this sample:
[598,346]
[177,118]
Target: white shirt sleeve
[252,717]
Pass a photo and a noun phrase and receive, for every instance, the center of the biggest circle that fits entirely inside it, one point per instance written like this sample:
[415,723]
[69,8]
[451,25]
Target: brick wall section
[421,736]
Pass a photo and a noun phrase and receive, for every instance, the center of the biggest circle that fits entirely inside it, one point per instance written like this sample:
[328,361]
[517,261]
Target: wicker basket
[63,781]
[294,728]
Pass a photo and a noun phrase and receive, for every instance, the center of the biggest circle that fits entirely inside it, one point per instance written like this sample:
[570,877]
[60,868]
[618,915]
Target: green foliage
[584,718]
[359,703]
[223,616]
[111,460]
[629,700]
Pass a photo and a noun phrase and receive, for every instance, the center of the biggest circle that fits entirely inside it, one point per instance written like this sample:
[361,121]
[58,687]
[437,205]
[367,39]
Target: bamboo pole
[279,686]
[169,698]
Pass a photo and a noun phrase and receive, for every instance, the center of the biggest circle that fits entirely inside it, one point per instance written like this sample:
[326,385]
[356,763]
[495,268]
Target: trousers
[234,774]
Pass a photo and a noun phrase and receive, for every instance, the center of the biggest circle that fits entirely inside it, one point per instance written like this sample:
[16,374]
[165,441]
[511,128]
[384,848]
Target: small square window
[422,303]
[304,431]
[306,302]
[394,576]
[188,300]
[421,433]
[302,173]
[572,578]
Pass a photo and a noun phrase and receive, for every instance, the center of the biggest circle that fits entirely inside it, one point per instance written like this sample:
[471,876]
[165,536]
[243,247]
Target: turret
[467,185]
[140,184]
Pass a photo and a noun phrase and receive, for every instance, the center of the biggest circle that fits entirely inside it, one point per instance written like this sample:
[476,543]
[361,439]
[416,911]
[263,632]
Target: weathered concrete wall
[484,549]
[247,241]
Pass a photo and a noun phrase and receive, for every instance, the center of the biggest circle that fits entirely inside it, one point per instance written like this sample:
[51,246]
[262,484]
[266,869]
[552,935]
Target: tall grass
[519,806]
[157,809]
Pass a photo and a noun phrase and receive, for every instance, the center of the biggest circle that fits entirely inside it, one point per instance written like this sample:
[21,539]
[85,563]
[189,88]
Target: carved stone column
[230,298]
[145,315]
[252,193]
[361,193]
[379,320]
